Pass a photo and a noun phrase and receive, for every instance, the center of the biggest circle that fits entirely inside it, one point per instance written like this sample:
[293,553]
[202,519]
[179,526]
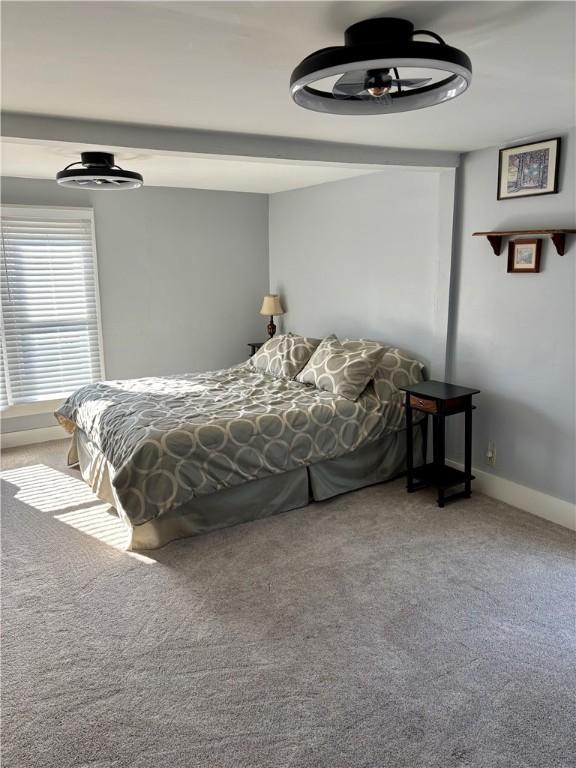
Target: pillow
[339,370]
[396,369]
[284,355]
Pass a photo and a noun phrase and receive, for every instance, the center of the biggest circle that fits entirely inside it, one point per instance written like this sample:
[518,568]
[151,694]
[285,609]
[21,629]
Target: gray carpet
[371,631]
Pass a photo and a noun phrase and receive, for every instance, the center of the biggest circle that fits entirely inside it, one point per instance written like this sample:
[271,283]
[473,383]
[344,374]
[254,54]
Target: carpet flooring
[370,631]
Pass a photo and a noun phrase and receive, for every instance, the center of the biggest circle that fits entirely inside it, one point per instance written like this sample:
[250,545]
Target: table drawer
[421,404]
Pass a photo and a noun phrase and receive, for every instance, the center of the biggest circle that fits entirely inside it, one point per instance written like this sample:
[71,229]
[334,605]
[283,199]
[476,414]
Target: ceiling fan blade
[350,84]
[354,76]
[348,91]
[412,83]
[386,98]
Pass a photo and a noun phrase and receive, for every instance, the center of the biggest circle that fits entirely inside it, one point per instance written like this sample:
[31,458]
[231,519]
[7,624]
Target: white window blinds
[50,326]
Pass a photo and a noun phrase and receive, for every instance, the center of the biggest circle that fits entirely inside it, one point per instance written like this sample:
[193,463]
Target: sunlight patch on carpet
[48,490]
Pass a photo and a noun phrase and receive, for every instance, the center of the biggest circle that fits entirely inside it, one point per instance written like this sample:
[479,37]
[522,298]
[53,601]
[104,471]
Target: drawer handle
[425,405]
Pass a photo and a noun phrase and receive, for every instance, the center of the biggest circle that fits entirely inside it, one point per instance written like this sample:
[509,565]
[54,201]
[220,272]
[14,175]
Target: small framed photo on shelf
[528,169]
[524,255]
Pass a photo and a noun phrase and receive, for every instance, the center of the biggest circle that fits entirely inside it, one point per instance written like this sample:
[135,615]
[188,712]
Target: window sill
[30,409]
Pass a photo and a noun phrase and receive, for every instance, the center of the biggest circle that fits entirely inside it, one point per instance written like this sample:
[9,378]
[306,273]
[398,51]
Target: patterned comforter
[174,438]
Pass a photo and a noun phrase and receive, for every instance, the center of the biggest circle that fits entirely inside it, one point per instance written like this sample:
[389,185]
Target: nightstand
[255,346]
[439,400]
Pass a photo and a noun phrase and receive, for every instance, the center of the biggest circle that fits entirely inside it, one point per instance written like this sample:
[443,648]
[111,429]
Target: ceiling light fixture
[368,67]
[99,172]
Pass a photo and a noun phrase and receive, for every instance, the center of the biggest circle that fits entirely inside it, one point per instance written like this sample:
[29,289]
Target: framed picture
[528,169]
[524,255]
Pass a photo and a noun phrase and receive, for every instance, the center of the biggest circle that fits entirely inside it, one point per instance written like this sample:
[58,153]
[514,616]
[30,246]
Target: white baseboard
[30,436]
[537,503]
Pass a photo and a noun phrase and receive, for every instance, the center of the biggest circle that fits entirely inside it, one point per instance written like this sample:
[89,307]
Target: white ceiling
[43,159]
[226,65]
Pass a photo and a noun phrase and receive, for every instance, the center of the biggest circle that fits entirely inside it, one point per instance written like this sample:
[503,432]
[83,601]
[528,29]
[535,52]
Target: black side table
[439,399]
[255,346]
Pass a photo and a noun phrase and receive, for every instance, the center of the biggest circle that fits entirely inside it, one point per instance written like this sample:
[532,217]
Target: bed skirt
[376,462]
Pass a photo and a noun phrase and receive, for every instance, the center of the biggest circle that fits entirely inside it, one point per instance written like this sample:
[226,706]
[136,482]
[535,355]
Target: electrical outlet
[491,454]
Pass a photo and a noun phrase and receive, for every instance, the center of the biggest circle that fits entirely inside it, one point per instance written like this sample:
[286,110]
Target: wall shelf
[495,238]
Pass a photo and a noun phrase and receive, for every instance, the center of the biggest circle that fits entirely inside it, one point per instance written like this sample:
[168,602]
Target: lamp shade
[271,305]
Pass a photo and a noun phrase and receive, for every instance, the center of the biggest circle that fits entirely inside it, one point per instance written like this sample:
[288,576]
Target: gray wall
[182,273]
[371,256]
[513,336]
[362,257]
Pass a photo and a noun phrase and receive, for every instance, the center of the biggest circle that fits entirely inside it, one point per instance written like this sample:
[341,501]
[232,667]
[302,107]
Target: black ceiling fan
[99,171]
[368,68]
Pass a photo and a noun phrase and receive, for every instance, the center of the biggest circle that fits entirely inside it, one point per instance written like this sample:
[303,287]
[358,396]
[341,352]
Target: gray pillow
[284,355]
[344,372]
[396,369]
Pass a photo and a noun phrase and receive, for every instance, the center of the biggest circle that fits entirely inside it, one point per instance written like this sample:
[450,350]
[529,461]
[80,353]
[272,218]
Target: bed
[182,455]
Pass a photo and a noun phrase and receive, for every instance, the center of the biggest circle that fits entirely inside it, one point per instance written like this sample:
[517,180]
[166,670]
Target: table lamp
[271,306]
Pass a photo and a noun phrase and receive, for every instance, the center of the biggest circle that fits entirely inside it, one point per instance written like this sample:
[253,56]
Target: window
[50,337]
